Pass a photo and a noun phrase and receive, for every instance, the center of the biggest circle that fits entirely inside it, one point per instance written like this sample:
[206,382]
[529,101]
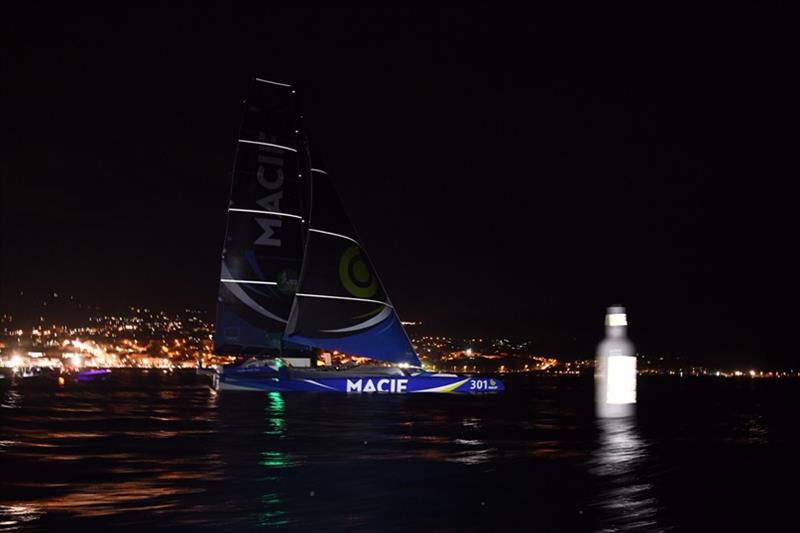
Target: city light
[147,338]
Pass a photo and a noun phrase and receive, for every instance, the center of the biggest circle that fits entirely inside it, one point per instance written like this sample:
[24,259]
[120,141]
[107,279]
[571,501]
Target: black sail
[263,247]
[341,303]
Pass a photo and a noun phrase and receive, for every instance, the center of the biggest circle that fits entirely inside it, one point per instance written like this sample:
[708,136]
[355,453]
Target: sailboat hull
[427,383]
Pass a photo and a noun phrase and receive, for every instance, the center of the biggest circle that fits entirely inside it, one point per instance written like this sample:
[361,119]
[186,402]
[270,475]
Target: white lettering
[271,202]
[269,175]
[268,225]
[275,183]
[382,385]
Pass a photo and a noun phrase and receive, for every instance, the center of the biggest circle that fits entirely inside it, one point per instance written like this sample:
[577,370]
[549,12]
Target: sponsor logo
[378,385]
[269,175]
[355,274]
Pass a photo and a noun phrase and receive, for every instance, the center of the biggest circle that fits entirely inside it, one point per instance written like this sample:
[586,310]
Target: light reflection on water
[91,454]
[272,513]
[625,500]
[167,452]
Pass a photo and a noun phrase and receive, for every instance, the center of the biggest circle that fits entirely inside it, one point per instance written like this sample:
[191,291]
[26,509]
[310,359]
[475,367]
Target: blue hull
[432,383]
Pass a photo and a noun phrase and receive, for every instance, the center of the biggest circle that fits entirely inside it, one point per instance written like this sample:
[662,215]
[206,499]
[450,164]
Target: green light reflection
[273,513]
[273,516]
[276,425]
[276,401]
[275,460]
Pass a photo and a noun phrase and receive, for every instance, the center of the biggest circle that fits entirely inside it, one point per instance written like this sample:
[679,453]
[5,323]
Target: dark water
[154,451]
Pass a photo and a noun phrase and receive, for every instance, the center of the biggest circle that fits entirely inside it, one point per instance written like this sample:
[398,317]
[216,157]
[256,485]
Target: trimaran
[295,279]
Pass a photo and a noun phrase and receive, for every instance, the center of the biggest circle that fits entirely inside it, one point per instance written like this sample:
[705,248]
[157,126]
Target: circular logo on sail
[355,274]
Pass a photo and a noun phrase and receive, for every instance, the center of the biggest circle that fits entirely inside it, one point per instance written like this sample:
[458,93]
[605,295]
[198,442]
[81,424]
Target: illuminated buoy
[615,368]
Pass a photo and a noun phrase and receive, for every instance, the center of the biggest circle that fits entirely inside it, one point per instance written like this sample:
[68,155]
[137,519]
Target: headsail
[262,253]
[340,302]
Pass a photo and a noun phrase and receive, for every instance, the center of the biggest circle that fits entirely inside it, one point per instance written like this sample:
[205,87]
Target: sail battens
[260,212]
[323,291]
[273,145]
[249,281]
[333,234]
[340,303]
[273,82]
[264,232]
[332,297]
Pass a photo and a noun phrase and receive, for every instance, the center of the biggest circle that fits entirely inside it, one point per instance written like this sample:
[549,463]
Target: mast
[294,274]
[262,253]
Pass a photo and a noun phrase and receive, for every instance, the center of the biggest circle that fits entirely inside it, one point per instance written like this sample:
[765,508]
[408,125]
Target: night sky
[511,173]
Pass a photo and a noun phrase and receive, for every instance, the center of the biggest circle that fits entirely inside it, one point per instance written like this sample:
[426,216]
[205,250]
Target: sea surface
[147,451]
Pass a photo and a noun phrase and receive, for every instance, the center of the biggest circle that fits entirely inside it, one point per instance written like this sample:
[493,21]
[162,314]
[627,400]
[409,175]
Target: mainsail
[340,303]
[293,270]
[263,248]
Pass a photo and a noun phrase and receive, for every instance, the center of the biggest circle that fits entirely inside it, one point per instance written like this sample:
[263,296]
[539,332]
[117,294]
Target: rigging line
[248,281]
[334,235]
[272,82]
[342,298]
[238,210]
[280,146]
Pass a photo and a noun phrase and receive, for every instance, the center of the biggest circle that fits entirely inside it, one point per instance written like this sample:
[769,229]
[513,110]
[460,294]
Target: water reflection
[87,455]
[12,517]
[469,451]
[746,428]
[131,457]
[625,499]
[276,423]
[10,400]
[272,511]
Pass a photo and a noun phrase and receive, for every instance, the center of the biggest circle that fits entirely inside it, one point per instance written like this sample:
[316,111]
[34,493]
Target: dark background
[512,172]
